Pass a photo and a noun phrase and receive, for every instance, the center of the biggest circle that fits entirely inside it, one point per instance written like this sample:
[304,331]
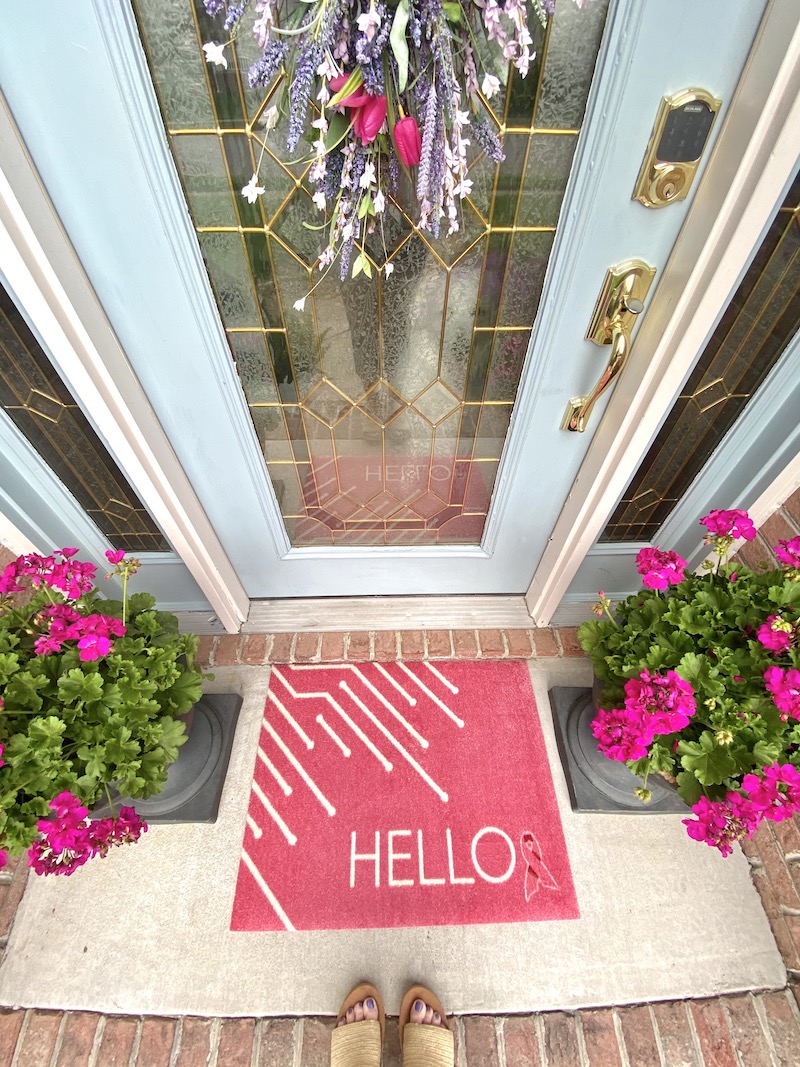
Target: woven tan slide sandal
[425,1045]
[358,1044]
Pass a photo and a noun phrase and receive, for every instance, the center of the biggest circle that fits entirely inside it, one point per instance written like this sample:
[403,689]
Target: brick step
[386,645]
[763,1028]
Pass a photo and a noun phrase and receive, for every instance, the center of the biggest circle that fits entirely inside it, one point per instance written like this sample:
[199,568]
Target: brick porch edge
[748,1030]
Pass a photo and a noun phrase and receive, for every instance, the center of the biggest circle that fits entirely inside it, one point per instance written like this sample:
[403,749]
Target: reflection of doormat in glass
[405,794]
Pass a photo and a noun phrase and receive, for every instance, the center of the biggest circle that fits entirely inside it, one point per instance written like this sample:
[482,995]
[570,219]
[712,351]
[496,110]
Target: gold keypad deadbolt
[680,134]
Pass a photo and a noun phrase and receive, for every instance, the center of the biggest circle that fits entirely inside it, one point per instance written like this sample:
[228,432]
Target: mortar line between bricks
[693,1031]
[213,1058]
[297,1034]
[176,1042]
[21,1037]
[727,1015]
[500,1039]
[793,1007]
[99,1030]
[137,1040]
[761,1015]
[255,1052]
[539,1025]
[583,1055]
[657,1033]
[462,1043]
[59,1039]
[623,1049]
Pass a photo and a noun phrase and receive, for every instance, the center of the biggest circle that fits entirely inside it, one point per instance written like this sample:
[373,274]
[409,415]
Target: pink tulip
[408,141]
[355,99]
[369,118]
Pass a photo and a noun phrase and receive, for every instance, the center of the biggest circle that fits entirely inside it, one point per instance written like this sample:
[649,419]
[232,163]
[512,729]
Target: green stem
[124,598]
[110,801]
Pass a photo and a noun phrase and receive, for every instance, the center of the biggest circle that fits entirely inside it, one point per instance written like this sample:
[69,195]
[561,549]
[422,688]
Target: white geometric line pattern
[331,810]
[356,730]
[423,774]
[295,725]
[445,681]
[411,700]
[255,829]
[434,698]
[333,735]
[375,692]
[265,889]
[273,770]
[284,829]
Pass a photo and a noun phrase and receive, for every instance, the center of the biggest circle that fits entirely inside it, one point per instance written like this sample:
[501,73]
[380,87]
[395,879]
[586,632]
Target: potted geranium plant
[92,692]
[700,682]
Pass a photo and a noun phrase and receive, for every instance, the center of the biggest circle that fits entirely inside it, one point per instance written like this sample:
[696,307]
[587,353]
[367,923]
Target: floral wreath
[393,85]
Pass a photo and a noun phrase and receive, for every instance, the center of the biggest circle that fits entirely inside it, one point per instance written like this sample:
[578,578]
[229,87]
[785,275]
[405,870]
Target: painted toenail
[418,1005]
[437,1017]
[370,1004]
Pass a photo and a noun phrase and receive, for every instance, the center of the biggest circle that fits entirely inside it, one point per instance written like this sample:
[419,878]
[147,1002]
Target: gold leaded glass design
[382,409]
[760,321]
[39,404]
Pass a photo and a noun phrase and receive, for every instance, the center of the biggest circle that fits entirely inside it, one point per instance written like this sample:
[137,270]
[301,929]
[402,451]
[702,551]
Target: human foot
[357,1037]
[425,1013]
[362,1009]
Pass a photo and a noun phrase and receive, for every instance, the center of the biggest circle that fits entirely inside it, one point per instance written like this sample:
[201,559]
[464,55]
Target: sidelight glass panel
[382,409]
[41,406]
[760,321]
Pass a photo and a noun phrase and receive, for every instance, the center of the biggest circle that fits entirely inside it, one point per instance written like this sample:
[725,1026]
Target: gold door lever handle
[579,409]
[621,300]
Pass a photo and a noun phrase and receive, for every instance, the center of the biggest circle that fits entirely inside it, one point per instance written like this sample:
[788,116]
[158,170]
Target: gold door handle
[621,300]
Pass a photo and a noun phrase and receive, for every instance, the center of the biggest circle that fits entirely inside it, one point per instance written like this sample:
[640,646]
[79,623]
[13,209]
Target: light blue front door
[92,123]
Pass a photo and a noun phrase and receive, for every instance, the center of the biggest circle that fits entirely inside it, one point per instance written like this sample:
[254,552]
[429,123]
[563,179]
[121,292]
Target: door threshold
[329,614]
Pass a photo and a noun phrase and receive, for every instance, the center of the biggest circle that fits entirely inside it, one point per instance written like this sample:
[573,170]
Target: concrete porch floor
[749,1028]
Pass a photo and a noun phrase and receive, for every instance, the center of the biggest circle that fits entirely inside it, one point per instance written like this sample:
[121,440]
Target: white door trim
[754,159]
[47,280]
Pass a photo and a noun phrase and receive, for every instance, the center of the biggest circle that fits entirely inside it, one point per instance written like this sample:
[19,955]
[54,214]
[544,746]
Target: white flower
[299,305]
[252,191]
[269,119]
[369,22]
[388,269]
[368,177]
[379,202]
[319,199]
[215,53]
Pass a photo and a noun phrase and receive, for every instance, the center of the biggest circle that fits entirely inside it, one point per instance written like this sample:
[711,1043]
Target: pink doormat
[401,794]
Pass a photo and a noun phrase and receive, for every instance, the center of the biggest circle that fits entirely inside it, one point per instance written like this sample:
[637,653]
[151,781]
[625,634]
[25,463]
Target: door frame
[43,273]
[747,177]
[715,243]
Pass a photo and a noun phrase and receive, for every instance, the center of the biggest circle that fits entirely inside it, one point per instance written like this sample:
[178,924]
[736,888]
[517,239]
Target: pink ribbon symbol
[537,873]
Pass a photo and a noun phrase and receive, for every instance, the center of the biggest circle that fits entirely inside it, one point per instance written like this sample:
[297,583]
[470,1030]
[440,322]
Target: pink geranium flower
[660,569]
[622,734]
[784,686]
[733,523]
[666,700]
[775,634]
[777,792]
[114,557]
[721,822]
[788,552]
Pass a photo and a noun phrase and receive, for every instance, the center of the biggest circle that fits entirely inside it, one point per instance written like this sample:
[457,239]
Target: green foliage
[68,724]
[705,629]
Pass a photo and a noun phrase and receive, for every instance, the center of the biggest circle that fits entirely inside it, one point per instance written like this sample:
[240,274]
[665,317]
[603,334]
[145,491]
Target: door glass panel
[760,321]
[43,409]
[382,409]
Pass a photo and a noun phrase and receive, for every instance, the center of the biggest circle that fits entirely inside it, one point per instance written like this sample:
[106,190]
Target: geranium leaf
[709,762]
